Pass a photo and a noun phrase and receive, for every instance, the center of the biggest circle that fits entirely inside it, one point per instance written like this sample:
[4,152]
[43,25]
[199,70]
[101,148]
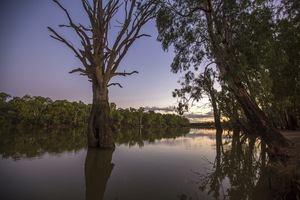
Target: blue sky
[33,63]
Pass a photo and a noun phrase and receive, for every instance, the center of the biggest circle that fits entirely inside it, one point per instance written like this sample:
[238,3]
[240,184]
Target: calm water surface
[146,164]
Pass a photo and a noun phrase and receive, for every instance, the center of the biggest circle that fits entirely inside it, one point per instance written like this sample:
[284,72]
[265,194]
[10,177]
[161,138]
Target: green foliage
[254,43]
[138,117]
[4,107]
[41,111]
[183,34]
[284,67]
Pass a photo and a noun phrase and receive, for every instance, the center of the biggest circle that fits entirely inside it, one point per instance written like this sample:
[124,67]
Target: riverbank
[288,173]
[294,160]
[281,179]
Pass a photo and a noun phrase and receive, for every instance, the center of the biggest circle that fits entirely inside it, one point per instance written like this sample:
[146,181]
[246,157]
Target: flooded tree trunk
[257,118]
[99,127]
[218,149]
[212,93]
[216,112]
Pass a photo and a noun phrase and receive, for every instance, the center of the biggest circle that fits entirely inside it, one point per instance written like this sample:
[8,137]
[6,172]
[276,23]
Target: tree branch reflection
[240,163]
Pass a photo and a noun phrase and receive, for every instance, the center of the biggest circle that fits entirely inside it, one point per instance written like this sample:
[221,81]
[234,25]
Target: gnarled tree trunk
[99,127]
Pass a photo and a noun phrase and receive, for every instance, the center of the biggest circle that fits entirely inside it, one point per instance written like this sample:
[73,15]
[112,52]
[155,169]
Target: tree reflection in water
[19,143]
[98,168]
[240,161]
[132,137]
[98,163]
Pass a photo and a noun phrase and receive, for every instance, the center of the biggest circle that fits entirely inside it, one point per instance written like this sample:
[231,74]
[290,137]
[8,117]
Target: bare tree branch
[124,73]
[82,72]
[100,59]
[113,84]
[88,9]
[63,40]
[142,17]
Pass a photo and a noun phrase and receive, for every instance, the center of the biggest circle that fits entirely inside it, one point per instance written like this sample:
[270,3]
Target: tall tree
[193,88]
[234,35]
[101,55]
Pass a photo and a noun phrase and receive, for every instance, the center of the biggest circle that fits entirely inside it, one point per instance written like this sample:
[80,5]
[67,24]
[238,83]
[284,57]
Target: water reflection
[132,137]
[147,164]
[238,170]
[19,143]
[98,168]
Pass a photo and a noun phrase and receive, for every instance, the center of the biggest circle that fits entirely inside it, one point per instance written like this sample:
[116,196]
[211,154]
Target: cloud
[199,116]
[193,116]
[169,109]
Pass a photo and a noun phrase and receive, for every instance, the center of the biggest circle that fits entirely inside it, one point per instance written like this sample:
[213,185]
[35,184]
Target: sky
[33,63]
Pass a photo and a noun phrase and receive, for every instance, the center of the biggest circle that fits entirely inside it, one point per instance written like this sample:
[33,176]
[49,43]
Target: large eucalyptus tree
[235,35]
[101,53]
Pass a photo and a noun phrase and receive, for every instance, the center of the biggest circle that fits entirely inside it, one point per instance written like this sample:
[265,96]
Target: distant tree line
[131,117]
[42,111]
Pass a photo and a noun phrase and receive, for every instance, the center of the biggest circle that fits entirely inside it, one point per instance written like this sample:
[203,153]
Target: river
[146,164]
